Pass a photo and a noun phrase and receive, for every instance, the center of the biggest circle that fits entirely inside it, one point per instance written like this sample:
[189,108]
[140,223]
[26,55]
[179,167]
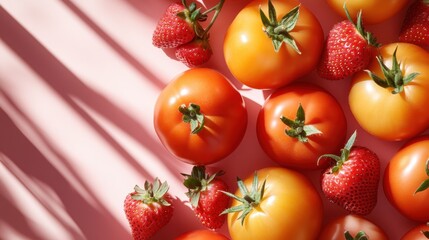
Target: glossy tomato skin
[335,229]
[291,207]
[389,116]
[416,233]
[223,108]
[202,234]
[321,110]
[249,52]
[404,174]
[371,13]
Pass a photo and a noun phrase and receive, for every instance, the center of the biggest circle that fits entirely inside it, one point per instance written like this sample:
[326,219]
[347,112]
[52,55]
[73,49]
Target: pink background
[78,84]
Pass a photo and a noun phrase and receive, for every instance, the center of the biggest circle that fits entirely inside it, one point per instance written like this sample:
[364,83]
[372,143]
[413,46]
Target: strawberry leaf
[152,192]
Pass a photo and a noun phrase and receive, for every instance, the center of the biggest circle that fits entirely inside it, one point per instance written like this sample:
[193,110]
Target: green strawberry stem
[297,128]
[192,115]
[217,8]
[425,184]
[197,182]
[393,77]
[361,235]
[250,199]
[368,36]
[151,193]
[345,152]
[279,31]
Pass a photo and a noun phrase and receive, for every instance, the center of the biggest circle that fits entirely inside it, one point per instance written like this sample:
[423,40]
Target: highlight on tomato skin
[404,175]
[200,117]
[353,224]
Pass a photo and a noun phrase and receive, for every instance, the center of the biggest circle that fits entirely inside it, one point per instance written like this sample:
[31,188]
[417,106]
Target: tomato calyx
[393,77]
[361,235]
[344,156]
[197,182]
[151,193]
[192,115]
[368,36]
[425,184]
[425,233]
[298,128]
[278,31]
[250,199]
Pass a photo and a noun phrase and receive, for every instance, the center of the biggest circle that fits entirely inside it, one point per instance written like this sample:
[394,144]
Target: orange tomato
[290,208]
[405,172]
[221,106]
[249,52]
[417,233]
[202,234]
[335,229]
[371,13]
[321,112]
[393,116]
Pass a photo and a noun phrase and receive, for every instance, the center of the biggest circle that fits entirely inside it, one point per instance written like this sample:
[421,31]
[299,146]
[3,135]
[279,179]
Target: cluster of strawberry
[150,208]
[180,29]
[349,47]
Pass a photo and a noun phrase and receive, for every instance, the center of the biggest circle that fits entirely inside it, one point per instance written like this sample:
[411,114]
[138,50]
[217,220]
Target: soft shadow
[36,166]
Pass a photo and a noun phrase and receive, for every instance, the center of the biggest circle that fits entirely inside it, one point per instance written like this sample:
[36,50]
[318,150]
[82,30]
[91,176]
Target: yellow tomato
[371,9]
[387,115]
[249,52]
[290,208]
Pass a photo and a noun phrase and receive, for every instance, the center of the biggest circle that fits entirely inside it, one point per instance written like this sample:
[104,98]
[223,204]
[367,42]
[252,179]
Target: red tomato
[387,115]
[289,208]
[300,149]
[201,235]
[249,52]
[417,233]
[335,229]
[371,13]
[403,175]
[220,105]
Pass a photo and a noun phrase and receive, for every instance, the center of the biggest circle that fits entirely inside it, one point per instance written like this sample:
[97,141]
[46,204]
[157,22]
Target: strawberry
[353,181]
[194,53]
[205,193]
[415,28]
[176,27]
[148,209]
[348,49]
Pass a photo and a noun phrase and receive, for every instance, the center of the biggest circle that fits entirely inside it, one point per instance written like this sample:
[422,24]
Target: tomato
[387,115]
[335,229]
[289,207]
[416,233]
[371,13]
[403,175]
[249,52]
[202,234]
[221,107]
[322,113]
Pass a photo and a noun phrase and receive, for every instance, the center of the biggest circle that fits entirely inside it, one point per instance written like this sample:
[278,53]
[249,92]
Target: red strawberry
[194,53]
[206,196]
[415,28]
[148,209]
[348,49]
[353,181]
[175,28]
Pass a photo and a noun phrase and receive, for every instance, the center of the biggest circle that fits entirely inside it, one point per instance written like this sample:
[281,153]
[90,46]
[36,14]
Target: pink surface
[78,84]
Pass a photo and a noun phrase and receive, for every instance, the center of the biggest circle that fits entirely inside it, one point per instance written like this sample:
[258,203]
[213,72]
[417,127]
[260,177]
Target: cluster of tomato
[200,117]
